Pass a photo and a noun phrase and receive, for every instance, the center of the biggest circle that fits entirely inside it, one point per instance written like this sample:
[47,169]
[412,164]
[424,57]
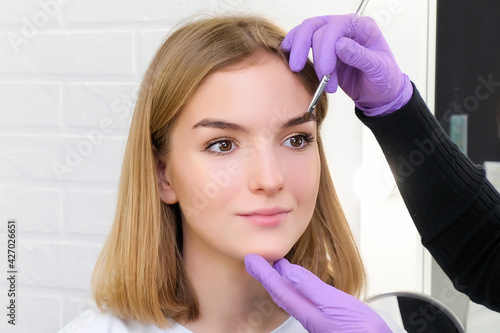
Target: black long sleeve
[454,207]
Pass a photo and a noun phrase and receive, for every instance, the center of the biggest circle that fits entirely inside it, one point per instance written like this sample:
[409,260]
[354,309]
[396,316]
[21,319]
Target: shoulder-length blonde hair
[140,273]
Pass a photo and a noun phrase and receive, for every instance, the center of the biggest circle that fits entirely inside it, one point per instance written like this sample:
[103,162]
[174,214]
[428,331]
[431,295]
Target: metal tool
[326,78]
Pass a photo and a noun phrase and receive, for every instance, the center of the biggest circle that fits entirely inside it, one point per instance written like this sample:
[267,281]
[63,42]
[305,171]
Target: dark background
[468,47]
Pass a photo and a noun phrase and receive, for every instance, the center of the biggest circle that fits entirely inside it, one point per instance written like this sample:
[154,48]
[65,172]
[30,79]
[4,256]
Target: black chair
[417,312]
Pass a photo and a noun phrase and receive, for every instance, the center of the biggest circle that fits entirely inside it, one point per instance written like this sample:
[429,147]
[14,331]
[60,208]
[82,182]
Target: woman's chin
[271,255]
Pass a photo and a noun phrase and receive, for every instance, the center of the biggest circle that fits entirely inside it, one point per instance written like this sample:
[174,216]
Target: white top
[93,321]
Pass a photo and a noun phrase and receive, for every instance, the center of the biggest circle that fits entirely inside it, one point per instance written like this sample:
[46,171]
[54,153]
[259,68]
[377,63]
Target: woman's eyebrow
[299,120]
[221,124]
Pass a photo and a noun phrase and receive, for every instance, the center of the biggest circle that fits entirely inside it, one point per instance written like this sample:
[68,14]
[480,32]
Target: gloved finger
[286,43]
[366,32]
[333,84]
[324,40]
[324,62]
[358,56]
[279,288]
[300,41]
[311,286]
[330,58]
[339,309]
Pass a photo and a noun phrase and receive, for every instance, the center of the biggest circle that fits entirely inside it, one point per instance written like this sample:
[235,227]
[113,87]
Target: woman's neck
[230,299]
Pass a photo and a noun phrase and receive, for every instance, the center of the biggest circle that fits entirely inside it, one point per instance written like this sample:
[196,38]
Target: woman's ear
[167,193]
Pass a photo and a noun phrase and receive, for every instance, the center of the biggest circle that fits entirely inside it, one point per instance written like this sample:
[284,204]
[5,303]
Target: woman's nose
[265,173]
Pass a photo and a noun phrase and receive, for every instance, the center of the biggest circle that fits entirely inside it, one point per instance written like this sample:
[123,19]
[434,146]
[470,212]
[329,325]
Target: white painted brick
[225,6]
[78,261]
[39,313]
[82,220]
[34,313]
[13,14]
[150,42]
[106,52]
[25,104]
[132,10]
[89,157]
[29,10]
[39,263]
[43,214]
[87,104]
[285,13]
[55,264]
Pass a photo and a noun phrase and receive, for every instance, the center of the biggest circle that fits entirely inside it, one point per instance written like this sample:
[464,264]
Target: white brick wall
[45,97]
[69,71]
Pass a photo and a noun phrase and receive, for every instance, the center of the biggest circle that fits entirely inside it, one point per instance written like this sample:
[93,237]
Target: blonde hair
[140,273]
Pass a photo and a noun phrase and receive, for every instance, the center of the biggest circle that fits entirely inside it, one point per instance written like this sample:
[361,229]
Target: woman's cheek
[303,173]
[217,177]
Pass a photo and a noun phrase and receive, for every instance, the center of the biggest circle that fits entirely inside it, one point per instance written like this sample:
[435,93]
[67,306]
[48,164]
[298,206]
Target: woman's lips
[266,217]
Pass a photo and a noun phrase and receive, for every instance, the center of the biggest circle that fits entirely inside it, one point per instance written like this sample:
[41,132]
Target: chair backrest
[417,312]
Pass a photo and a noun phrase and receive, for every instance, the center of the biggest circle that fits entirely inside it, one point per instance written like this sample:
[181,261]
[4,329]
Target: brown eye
[220,146]
[296,141]
[225,145]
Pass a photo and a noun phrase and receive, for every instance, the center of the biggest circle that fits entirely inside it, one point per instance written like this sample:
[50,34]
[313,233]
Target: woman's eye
[220,146]
[298,141]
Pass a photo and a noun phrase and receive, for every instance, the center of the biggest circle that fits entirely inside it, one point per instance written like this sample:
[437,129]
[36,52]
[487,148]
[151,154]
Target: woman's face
[244,163]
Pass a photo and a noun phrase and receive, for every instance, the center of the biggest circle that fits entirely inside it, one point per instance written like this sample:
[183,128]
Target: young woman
[220,163]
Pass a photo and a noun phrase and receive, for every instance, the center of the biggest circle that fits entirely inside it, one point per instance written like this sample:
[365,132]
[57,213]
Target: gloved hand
[319,307]
[367,71]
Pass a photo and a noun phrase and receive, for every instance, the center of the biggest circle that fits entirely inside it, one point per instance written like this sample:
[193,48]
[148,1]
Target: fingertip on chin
[251,257]
[280,263]
[254,258]
[249,260]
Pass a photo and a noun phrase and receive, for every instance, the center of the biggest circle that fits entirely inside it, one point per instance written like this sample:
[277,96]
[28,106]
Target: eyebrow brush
[326,78]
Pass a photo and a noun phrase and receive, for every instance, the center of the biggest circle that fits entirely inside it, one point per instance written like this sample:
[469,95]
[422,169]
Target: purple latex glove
[319,307]
[367,71]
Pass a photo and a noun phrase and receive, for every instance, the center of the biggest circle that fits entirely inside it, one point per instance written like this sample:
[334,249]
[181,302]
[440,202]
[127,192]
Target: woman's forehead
[265,90]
